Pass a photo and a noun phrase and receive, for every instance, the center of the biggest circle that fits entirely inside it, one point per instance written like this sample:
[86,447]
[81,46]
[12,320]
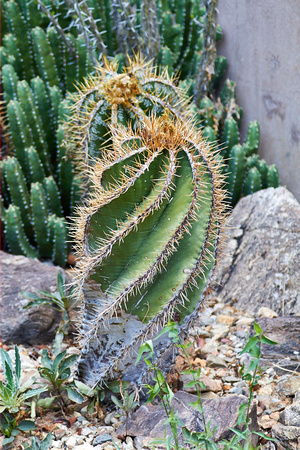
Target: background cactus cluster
[148,232]
[48,47]
[220,120]
[38,189]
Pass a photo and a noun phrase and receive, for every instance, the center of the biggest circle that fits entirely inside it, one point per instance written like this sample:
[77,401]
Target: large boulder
[148,423]
[261,263]
[35,325]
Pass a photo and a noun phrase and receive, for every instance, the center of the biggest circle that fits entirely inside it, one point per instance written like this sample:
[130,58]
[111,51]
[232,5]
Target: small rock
[71,442]
[288,386]
[56,444]
[215,361]
[267,389]
[238,391]
[149,420]
[59,433]
[101,438]
[266,312]
[31,326]
[275,416]
[266,422]
[129,444]
[245,321]
[227,320]
[231,379]
[277,406]
[108,418]
[210,347]
[106,429]
[208,395]
[210,385]
[85,446]
[107,447]
[291,415]
[86,431]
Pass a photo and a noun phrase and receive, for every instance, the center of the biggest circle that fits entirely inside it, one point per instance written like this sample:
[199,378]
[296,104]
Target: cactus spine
[146,239]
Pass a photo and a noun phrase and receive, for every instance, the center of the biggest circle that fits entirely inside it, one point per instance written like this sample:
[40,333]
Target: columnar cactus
[146,239]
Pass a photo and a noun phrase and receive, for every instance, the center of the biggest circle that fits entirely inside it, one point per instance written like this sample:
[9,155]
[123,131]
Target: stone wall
[261,42]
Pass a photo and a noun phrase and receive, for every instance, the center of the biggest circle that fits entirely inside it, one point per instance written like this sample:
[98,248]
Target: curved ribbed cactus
[112,98]
[146,241]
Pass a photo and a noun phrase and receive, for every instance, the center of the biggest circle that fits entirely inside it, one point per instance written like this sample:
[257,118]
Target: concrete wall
[262,44]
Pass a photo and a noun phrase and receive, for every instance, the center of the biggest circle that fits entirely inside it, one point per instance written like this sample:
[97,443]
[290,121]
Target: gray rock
[19,326]
[105,437]
[148,422]
[288,437]
[261,266]
[291,415]
[286,332]
[288,386]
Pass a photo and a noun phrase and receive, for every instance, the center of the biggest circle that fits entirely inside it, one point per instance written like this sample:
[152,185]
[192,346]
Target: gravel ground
[217,339]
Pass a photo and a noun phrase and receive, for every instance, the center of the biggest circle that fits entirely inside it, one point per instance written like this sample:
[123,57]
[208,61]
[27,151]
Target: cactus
[236,170]
[252,182]
[111,98]
[30,215]
[146,241]
[220,121]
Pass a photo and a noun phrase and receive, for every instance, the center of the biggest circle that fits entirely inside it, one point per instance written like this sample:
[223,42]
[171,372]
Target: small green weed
[61,300]
[128,403]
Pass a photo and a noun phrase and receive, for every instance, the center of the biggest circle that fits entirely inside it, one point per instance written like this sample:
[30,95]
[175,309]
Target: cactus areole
[146,238]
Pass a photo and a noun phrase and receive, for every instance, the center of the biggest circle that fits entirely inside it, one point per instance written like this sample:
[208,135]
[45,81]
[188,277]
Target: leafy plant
[43,445]
[57,373]
[61,300]
[11,426]
[14,394]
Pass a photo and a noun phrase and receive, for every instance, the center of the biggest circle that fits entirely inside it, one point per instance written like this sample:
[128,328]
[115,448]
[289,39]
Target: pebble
[71,442]
[266,312]
[215,361]
[101,438]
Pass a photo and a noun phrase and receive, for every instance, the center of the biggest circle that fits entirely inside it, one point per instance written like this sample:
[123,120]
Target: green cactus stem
[35,166]
[252,182]
[17,240]
[18,27]
[16,185]
[235,173]
[9,80]
[44,57]
[39,209]
[146,241]
[231,136]
[53,196]
[252,138]
[57,233]
[273,176]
